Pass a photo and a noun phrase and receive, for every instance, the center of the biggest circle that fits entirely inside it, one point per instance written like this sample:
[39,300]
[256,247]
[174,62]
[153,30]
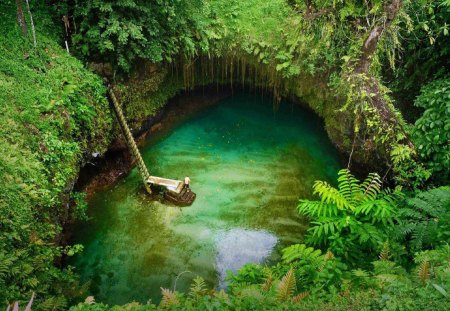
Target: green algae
[248,166]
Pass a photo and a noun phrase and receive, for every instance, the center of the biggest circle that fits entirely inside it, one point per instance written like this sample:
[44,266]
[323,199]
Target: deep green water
[248,166]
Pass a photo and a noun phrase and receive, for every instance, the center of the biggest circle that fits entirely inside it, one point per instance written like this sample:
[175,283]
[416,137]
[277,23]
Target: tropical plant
[53,115]
[424,53]
[384,285]
[122,32]
[432,130]
[350,220]
[312,268]
[424,220]
[198,287]
[169,298]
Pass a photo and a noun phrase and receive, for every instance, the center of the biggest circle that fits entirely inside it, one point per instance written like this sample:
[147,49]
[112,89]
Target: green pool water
[248,165]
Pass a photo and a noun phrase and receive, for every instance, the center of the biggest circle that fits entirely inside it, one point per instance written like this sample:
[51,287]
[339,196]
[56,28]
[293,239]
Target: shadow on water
[248,166]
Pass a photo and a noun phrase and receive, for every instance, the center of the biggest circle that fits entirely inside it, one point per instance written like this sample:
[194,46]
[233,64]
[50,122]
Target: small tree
[21,17]
[351,220]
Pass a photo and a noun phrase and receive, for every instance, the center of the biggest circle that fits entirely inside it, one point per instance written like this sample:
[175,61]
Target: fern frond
[300,297]
[53,303]
[387,278]
[198,287]
[286,286]
[6,262]
[252,291]
[268,280]
[360,273]
[406,212]
[324,227]
[331,195]
[424,271]
[90,300]
[348,185]
[385,252]
[169,298]
[328,255]
[317,208]
[387,267]
[221,295]
[301,252]
[381,209]
[371,186]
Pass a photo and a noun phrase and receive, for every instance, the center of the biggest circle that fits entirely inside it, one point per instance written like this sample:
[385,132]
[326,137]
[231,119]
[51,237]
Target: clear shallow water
[248,166]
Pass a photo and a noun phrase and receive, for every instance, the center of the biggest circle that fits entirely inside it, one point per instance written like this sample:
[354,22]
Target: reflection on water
[237,247]
[248,167]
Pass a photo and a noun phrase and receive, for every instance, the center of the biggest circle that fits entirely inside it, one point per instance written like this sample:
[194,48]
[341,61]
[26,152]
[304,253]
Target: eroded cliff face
[145,96]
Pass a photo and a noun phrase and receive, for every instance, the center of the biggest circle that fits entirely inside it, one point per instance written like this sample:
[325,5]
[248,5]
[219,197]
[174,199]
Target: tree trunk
[382,110]
[21,17]
[369,48]
[370,44]
[33,31]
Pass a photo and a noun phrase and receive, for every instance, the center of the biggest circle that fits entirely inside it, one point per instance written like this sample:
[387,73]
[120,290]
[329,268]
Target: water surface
[248,166]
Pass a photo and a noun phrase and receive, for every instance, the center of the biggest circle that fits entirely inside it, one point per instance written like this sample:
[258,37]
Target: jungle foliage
[53,113]
[432,130]
[425,52]
[122,32]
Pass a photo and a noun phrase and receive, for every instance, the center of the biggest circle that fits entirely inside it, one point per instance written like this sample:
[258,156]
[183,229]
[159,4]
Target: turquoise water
[248,166]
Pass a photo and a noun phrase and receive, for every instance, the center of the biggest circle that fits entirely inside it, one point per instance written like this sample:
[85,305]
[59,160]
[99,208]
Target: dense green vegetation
[53,114]
[358,64]
[389,253]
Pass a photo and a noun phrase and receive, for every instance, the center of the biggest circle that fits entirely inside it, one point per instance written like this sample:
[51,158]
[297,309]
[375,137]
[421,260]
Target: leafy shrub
[432,129]
[424,220]
[124,31]
[386,286]
[351,220]
[53,113]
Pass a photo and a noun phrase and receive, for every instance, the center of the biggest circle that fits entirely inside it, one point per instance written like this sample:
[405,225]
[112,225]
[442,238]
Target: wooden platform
[176,192]
[170,184]
[184,198]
